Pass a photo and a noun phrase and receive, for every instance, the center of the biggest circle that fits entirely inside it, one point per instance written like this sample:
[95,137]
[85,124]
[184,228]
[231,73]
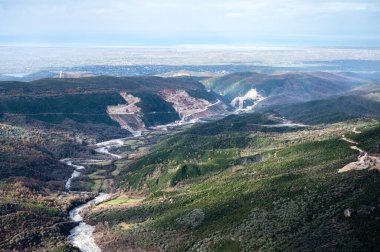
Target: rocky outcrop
[365,161]
[191,108]
[349,212]
[127,115]
[247,101]
[133,118]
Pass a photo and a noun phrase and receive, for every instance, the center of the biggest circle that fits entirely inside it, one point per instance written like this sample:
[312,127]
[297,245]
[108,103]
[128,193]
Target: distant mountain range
[134,104]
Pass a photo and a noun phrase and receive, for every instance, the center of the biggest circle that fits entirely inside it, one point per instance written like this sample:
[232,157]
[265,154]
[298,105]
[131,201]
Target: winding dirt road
[365,161]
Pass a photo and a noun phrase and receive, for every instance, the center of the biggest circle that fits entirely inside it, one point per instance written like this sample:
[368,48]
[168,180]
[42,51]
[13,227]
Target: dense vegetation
[81,104]
[241,183]
[156,111]
[83,108]
[330,110]
[281,88]
[192,154]
[34,154]
[103,83]
[32,215]
[253,190]
[46,120]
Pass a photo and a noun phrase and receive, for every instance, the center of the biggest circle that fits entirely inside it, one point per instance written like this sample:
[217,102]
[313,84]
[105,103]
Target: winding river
[81,235]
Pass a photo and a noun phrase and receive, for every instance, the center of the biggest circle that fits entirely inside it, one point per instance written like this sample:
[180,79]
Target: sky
[347,23]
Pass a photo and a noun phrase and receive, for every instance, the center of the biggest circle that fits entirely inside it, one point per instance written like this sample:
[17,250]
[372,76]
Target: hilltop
[249,88]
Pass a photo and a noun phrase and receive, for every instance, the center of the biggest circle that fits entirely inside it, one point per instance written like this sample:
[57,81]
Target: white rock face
[129,108]
[251,96]
[127,115]
[191,108]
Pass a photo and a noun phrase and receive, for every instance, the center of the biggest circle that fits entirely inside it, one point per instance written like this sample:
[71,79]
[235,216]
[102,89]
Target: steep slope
[35,154]
[252,89]
[33,212]
[246,187]
[105,103]
[192,107]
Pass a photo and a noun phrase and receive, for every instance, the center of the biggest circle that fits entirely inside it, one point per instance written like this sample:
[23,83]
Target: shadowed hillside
[83,103]
[281,88]
[362,102]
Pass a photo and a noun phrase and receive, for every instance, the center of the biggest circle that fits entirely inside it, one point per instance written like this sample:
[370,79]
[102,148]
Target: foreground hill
[33,213]
[246,89]
[247,183]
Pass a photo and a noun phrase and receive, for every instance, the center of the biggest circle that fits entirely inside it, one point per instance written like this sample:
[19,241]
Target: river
[81,235]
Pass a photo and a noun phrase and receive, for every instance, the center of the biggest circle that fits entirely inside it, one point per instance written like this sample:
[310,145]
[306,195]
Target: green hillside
[56,108]
[246,190]
[104,83]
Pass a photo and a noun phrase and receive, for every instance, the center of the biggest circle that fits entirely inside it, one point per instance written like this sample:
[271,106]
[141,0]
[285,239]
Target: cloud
[185,21]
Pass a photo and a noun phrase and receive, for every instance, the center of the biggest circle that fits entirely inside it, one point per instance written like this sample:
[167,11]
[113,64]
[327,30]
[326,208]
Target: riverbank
[128,148]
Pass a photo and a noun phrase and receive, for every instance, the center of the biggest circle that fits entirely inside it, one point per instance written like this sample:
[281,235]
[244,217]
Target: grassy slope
[294,200]
[191,154]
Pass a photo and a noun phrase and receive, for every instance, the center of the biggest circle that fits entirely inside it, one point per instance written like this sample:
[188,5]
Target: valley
[189,126]
[242,162]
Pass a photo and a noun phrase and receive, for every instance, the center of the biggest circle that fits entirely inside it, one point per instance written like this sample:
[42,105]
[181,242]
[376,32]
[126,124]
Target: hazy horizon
[172,23]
